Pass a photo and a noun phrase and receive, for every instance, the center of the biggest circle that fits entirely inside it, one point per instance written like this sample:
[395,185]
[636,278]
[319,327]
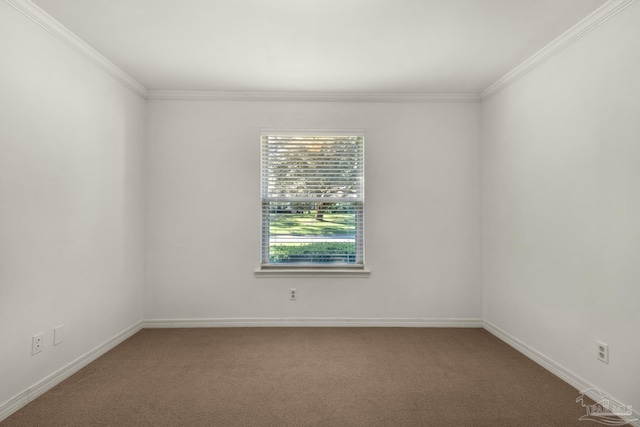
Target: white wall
[71,203]
[422,212]
[561,207]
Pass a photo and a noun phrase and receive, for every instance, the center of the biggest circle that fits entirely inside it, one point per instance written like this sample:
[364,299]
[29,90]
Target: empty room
[319,213]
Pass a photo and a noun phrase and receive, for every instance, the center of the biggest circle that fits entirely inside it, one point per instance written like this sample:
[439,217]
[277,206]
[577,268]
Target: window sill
[360,272]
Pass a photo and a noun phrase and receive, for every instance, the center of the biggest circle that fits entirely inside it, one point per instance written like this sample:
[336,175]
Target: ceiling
[351,46]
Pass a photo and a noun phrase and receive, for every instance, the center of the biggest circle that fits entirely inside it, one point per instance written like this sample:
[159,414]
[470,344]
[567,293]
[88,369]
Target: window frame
[313,269]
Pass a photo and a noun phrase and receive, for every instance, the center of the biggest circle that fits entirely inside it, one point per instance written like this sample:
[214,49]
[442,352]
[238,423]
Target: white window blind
[312,198]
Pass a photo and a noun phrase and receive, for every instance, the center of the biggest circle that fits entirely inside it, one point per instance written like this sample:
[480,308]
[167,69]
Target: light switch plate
[58,334]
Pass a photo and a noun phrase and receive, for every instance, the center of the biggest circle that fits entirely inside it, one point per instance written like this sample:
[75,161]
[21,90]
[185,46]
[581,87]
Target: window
[312,199]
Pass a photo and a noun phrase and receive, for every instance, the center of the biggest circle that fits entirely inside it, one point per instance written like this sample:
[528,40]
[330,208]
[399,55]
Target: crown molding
[575,33]
[44,20]
[179,95]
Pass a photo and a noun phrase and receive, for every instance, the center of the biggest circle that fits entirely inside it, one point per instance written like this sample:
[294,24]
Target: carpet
[308,377]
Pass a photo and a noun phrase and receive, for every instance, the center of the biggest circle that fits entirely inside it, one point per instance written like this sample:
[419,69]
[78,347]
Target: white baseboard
[14,404]
[312,322]
[556,369]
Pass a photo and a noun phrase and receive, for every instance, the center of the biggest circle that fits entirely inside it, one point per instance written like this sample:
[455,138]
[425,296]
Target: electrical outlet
[36,343]
[58,334]
[293,294]
[603,352]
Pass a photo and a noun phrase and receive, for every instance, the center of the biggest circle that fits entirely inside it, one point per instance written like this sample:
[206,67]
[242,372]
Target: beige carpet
[308,377]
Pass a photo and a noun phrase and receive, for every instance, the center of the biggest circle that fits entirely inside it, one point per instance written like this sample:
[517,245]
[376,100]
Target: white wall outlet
[603,352]
[58,334]
[293,294]
[36,343]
